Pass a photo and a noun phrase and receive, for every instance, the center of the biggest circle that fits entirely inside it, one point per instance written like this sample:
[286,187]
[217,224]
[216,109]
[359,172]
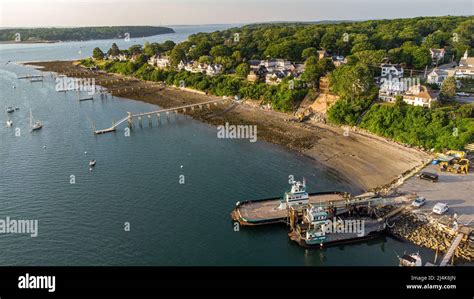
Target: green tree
[308,52]
[351,81]
[448,89]
[168,45]
[97,53]
[177,54]
[114,50]
[220,50]
[242,70]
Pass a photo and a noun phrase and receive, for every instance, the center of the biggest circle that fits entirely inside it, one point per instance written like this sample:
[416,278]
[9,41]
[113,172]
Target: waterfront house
[391,82]
[120,57]
[437,76]
[159,61]
[181,65]
[213,69]
[465,69]
[419,95]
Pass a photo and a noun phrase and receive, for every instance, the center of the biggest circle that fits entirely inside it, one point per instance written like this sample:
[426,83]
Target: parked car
[433,177]
[440,208]
[418,202]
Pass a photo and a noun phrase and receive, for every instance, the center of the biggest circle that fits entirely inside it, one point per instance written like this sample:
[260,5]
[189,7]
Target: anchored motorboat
[9,123]
[92,163]
[10,109]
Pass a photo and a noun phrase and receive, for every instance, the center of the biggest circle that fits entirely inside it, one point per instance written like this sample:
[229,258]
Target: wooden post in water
[158,118]
[129,119]
[149,120]
[140,121]
[167,115]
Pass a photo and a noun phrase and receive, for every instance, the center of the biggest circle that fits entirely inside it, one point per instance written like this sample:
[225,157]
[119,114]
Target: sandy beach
[367,161]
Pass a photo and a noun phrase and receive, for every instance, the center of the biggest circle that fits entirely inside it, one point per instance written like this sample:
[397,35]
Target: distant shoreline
[8,42]
[55,35]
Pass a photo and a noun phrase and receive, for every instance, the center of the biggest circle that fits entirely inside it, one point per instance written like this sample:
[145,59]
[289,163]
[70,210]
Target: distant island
[45,35]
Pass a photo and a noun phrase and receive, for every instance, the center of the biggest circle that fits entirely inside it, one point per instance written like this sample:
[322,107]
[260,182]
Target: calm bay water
[136,181]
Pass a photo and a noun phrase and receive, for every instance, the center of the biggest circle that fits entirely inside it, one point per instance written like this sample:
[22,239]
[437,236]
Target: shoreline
[366,162]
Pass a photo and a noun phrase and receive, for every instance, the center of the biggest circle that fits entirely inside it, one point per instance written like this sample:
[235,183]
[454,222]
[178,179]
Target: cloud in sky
[31,13]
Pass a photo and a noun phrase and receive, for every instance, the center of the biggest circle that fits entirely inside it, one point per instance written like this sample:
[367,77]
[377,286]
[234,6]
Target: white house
[437,76]
[465,68]
[213,69]
[391,82]
[419,95]
[159,61]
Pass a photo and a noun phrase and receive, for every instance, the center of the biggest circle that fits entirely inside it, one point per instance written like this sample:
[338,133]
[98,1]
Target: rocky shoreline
[419,230]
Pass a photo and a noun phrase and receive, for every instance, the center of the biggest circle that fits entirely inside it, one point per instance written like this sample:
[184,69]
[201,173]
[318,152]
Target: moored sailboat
[36,125]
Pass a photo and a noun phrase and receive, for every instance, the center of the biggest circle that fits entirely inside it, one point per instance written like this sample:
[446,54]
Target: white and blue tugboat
[316,217]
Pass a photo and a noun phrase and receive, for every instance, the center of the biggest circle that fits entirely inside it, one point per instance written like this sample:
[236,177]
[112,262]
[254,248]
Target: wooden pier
[452,249]
[30,77]
[129,118]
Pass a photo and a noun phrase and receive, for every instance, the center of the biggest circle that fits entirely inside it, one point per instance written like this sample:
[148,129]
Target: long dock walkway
[451,250]
[129,118]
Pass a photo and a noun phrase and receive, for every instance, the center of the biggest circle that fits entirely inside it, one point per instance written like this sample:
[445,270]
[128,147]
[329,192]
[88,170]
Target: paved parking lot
[456,190]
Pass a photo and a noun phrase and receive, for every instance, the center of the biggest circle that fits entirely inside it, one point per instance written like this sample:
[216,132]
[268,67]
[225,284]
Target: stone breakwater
[417,229]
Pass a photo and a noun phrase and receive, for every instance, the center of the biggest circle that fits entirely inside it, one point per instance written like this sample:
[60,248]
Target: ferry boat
[275,209]
[316,229]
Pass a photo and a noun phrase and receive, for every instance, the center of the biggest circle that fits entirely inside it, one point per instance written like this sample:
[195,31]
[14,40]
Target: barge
[322,219]
[314,227]
[275,210]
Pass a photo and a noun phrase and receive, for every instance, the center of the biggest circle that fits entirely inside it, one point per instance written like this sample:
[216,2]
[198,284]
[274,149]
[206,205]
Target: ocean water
[136,181]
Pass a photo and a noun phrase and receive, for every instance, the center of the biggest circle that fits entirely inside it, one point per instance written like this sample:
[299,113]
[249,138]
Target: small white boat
[92,163]
[35,125]
[9,123]
[412,260]
[10,110]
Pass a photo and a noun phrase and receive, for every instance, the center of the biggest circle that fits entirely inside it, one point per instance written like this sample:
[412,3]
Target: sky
[68,13]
